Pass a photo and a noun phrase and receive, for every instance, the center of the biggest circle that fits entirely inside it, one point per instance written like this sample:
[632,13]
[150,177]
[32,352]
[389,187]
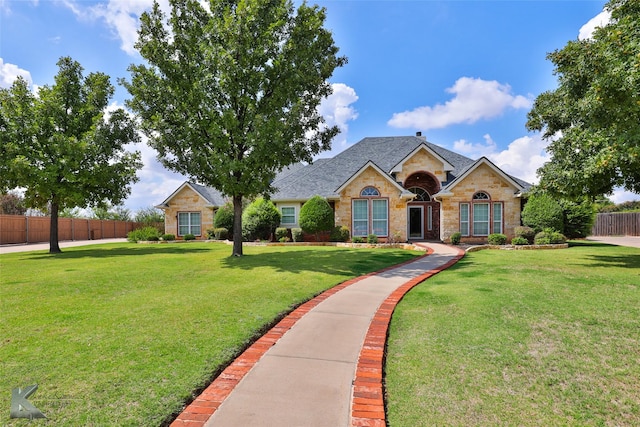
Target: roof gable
[212,197]
[447,167]
[370,164]
[482,161]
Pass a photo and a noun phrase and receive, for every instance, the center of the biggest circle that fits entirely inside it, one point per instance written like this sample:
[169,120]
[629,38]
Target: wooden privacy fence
[617,224]
[33,229]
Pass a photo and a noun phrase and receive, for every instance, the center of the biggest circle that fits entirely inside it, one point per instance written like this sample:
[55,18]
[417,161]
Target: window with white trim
[380,217]
[288,215]
[481,217]
[189,223]
[360,210]
[497,218]
[464,219]
[370,215]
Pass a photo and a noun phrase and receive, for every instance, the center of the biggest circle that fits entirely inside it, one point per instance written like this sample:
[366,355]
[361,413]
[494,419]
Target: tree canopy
[593,117]
[229,94]
[63,147]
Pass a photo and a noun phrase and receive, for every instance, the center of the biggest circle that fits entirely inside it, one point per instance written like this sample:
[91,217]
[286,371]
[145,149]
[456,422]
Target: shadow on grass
[126,249]
[352,262]
[621,261]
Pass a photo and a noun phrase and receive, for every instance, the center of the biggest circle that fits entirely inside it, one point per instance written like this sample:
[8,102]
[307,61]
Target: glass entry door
[416,222]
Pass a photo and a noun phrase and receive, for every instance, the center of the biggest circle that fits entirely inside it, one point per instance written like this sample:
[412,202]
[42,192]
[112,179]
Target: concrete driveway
[632,241]
[7,249]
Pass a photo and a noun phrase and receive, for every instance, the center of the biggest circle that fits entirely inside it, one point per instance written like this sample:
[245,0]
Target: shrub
[543,211]
[281,232]
[357,239]
[189,237]
[372,239]
[296,234]
[455,238]
[143,234]
[316,216]
[224,217]
[542,238]
[220,233]
[211,233]
[578,218]
[519,241]
[525,232]
[339,234]
[557,238]
[497,239]
[395,238]
[259,220]
[168,237]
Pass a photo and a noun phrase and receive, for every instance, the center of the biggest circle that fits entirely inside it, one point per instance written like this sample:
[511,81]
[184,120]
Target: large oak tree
[229,93]
[593,117]
[63,147]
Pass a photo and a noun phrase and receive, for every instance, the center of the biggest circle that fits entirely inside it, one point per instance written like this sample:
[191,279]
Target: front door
[416,222]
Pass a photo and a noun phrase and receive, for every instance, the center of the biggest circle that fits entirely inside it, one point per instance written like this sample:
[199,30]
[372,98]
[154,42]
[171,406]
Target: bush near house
[224,217]
[316,216]
[497,239]
[145,234]
[282,234]
[168,237]
[549,237]
[455,238]
[259,220]
[297,234]
[543,211]
[372,239]
[525,232]
[519,241]
[339,234]
[578,218]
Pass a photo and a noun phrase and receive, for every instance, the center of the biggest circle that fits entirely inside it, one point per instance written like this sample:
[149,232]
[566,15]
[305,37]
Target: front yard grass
[520,338]
[122,334]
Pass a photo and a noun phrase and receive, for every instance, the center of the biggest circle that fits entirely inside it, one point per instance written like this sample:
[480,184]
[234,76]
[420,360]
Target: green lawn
[122,334]
[520,338]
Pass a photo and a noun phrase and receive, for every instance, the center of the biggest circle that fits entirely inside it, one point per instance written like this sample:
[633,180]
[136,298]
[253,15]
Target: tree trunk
[237,226]
[54,246]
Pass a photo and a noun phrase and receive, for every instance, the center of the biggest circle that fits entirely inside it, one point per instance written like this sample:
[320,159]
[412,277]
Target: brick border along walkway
[367,400]
[367,393]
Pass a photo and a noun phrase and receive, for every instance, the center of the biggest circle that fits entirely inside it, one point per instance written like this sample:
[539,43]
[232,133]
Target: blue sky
[464,73]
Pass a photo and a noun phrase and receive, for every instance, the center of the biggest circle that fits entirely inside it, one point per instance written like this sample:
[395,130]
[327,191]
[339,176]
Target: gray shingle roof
[300,182]
[324,176]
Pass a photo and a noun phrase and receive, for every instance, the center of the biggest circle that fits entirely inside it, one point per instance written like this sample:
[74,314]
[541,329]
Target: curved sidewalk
[322,364]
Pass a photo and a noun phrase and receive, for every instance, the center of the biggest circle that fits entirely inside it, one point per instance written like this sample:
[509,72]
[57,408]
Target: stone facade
[187,200]
[482,179]
[422,161]
[397,206]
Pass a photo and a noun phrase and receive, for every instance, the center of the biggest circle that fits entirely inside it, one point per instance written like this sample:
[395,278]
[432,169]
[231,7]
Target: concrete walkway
[7,249]
[632,241]
[322,364]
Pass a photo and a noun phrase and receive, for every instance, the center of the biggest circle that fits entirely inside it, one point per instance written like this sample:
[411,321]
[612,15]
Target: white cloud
[620,196]
[10,72]
[337,111]
[600,20]
[522,158]
[474,99]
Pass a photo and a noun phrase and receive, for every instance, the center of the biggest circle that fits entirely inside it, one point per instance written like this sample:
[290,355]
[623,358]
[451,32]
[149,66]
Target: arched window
[481,195]
[369,192]
[421,194]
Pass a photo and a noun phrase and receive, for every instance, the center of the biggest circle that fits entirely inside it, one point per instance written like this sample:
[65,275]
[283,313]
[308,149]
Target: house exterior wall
[397,206]
[422,161]
[487,180]
[296,206]
[187,200]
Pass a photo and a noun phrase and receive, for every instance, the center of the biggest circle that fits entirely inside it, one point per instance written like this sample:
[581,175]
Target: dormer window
[369,192]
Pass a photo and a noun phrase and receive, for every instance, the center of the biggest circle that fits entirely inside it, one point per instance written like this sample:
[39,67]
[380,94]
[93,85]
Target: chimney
[419,135]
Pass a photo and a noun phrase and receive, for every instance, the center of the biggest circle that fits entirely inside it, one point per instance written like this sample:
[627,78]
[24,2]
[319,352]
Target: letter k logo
[21,407]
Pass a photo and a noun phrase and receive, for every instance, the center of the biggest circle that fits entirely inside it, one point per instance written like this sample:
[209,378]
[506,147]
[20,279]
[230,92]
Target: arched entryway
[423,213]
